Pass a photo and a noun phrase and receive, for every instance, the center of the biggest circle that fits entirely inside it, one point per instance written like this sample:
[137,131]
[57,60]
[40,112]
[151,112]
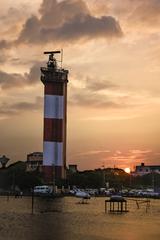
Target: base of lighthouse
[53,174]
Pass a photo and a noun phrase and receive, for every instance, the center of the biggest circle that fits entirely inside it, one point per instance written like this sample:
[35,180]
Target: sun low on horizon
[111,49]
[127,170]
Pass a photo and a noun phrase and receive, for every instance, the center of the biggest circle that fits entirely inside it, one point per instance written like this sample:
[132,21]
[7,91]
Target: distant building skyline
[146,169]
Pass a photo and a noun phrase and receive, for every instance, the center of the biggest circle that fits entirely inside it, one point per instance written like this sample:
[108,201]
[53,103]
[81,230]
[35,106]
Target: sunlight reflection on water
[65,219]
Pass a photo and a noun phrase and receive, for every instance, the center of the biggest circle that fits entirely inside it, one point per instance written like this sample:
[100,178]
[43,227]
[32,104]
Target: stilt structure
[144,202]
[117,204]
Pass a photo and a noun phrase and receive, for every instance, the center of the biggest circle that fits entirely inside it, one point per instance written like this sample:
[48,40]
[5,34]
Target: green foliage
[148,180]
[86,179]
[16,175]
[116,178]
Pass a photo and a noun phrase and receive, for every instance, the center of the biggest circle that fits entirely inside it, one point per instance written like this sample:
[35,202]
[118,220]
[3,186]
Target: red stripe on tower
[55,111]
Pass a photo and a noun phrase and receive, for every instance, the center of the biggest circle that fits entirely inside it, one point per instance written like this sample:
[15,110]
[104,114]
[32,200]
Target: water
[66,219]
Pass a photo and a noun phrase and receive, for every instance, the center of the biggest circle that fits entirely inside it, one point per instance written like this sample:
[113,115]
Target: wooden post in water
[33,200]
[7,196]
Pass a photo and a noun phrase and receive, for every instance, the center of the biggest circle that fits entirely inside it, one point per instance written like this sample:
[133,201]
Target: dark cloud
[31,31]
[4,44]
[54,13]
[17,80]
[86,27]
[66,21]
[33,76]
[7,110]
[8,80]
[99,84]
[88,98]
[3,55]
[93,95]
[26,106]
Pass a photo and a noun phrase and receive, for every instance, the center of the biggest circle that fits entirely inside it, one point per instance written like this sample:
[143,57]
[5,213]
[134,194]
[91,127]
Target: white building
[34,161]
[146,169]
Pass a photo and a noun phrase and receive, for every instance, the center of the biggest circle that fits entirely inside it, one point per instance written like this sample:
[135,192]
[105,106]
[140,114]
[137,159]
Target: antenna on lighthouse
[52,52]
[52,61]
[61,57]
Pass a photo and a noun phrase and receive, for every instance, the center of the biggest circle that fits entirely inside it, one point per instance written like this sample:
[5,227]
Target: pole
[61,58]
[153,179]
[32,200]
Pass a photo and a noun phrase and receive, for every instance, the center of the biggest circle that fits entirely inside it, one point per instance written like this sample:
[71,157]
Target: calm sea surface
[66,219]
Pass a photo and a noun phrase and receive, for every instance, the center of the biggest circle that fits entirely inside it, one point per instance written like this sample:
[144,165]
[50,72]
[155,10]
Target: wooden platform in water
[116,205]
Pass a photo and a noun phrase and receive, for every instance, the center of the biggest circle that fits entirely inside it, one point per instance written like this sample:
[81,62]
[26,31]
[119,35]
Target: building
[4,160]
[72,168]
[55,81]
[146,169]
[34,161]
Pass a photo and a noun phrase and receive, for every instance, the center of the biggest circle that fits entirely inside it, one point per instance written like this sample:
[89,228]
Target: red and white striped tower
[55,111]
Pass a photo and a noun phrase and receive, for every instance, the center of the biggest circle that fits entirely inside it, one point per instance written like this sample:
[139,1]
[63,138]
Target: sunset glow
[127,170]
[111,49]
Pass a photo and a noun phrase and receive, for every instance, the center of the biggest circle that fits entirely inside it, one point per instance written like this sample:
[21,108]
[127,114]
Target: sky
[111,49]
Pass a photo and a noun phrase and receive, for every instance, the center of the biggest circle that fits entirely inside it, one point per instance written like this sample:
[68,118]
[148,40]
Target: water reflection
[65,219]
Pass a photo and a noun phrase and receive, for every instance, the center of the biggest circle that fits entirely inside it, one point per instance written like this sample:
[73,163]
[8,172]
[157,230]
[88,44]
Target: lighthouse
[55,81]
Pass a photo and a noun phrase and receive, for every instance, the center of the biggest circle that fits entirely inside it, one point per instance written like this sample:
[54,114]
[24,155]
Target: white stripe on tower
[53,106]
[53,153]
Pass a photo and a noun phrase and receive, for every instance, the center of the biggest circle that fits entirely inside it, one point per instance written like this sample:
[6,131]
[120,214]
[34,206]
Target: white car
[40,190]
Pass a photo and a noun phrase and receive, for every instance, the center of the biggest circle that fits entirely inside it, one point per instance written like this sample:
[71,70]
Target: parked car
[43,190]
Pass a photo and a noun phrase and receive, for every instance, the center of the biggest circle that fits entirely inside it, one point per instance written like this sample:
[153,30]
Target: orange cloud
[117,158]
[17,80]
[12,109]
